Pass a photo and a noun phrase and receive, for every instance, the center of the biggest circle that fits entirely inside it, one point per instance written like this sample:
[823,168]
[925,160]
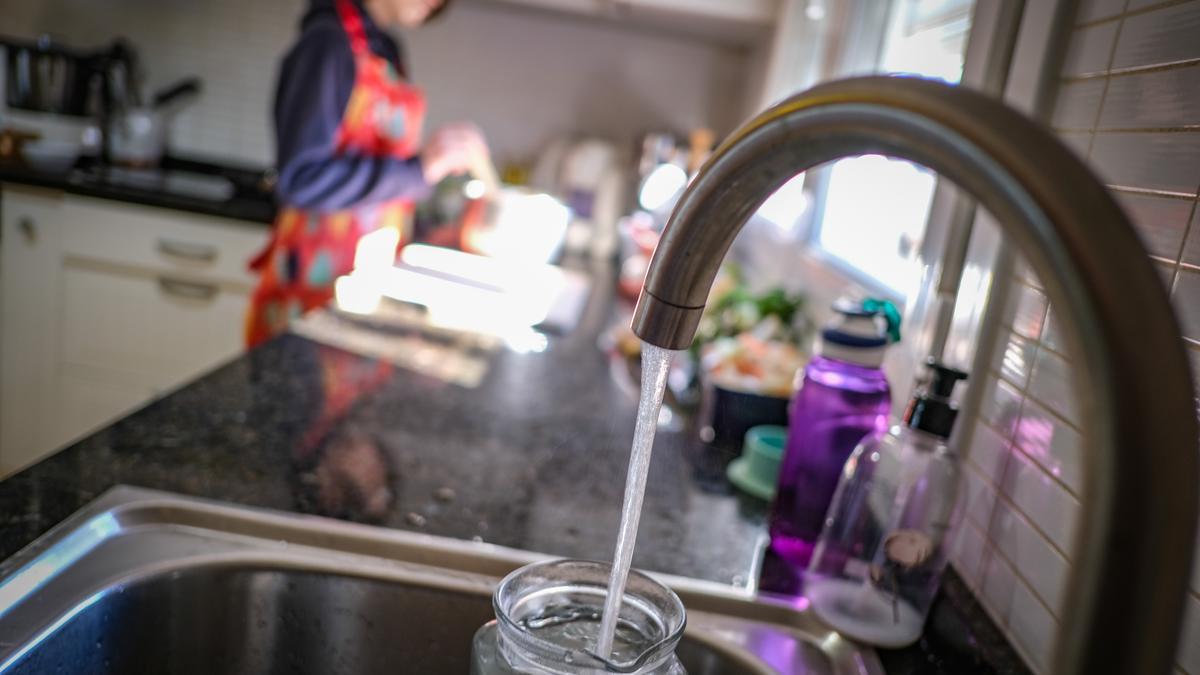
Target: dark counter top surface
[184,185]
[534,457]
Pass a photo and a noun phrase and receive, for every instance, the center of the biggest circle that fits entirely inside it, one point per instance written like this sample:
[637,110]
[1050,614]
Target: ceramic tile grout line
[656,363]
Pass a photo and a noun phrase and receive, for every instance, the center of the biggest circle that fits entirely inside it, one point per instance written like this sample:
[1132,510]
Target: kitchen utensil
[58,94]
[138,134]
[51,156]
[43,76]
[63,129]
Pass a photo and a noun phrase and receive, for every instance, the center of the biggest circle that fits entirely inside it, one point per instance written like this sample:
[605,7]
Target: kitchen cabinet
[105,306]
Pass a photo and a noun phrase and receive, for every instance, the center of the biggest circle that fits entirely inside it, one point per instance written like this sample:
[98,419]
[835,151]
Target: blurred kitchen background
[526,72]
[123,280]
[598,110]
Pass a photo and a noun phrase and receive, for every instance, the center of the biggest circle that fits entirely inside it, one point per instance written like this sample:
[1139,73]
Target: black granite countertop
[204,187]
[534,457]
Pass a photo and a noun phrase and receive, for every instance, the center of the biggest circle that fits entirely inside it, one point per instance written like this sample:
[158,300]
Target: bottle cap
[930,409]
[859,333]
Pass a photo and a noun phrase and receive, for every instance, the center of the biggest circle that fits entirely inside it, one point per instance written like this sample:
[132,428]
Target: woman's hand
[454,148]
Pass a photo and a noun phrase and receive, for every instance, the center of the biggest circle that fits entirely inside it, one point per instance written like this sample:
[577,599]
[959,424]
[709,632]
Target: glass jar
[548,617]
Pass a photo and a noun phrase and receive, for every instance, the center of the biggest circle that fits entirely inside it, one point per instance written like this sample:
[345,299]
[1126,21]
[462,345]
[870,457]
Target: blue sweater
[315,81]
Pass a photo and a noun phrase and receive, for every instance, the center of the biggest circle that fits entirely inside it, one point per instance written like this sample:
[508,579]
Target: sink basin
[142,581]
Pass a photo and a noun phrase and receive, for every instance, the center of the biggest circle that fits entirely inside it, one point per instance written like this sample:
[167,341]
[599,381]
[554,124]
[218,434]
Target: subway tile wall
[501,82]
[232,45]
[1129,102]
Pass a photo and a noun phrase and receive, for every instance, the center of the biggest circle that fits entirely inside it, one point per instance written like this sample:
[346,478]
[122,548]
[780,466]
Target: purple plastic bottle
[842,397]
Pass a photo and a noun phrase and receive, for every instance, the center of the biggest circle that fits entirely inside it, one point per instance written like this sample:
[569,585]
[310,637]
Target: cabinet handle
[190,290]
[28,229]
[187,251]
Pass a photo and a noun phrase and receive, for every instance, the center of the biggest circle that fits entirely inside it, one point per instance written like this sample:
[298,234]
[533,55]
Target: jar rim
[590,577]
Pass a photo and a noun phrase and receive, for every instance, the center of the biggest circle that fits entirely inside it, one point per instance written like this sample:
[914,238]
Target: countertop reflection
[532,457]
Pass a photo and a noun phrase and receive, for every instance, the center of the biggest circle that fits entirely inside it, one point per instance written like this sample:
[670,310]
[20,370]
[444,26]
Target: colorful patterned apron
[309,250]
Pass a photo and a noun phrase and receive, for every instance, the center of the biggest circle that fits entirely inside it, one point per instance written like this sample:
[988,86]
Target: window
[875,213]
[874,209]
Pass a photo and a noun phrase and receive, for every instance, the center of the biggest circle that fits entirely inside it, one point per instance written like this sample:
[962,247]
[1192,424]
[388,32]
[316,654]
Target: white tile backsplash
[1077,104]
[1094,10]
[989,453]
[1028,551]
[1147,144]
[1167,35]
[1042,499]
[978,497]
[1079,142]
[1054,445]
[1002,405]
[1028,310]
[1166,272]
[1191,247]
[1014,359]
[999,583]
[1161,221]
[1089,51]
[1032,626]
[1052,385]
[967,552]
[1156,99]
[1052,337]
[1168,162]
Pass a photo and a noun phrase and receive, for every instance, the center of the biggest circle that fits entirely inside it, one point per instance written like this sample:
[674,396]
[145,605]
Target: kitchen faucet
[1132,551]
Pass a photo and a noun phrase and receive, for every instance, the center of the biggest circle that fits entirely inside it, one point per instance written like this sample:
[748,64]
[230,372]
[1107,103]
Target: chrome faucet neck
[1133,550]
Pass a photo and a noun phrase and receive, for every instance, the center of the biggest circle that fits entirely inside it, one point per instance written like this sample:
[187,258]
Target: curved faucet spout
[1132,554]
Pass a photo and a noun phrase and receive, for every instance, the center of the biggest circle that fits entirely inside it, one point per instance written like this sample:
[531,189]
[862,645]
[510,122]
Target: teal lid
[757,470]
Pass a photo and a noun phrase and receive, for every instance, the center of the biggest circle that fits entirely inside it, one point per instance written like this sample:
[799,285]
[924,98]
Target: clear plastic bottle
[842,397]
[879,561]
[548,619]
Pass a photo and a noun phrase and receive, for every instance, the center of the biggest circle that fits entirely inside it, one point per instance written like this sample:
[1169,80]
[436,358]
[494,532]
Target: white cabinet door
[30,242]
[163,240]
[104,305]
[164,328]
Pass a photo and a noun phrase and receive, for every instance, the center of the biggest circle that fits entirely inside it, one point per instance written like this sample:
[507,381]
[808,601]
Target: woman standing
[348,127]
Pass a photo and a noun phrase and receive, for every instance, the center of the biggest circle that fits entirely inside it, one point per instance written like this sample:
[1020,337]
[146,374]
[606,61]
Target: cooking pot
[137,135]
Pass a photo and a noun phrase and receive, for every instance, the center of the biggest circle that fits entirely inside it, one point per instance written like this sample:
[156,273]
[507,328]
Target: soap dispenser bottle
[841,397]
[880,557]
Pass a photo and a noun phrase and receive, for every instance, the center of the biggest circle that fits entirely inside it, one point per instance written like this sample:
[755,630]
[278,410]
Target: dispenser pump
[930,410]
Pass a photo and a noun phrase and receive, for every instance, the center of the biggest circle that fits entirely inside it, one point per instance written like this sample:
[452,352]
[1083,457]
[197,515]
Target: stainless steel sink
[148,582]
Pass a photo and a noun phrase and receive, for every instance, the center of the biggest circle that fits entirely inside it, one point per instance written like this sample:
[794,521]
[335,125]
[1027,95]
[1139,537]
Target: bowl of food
[748,382]
[742,365]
